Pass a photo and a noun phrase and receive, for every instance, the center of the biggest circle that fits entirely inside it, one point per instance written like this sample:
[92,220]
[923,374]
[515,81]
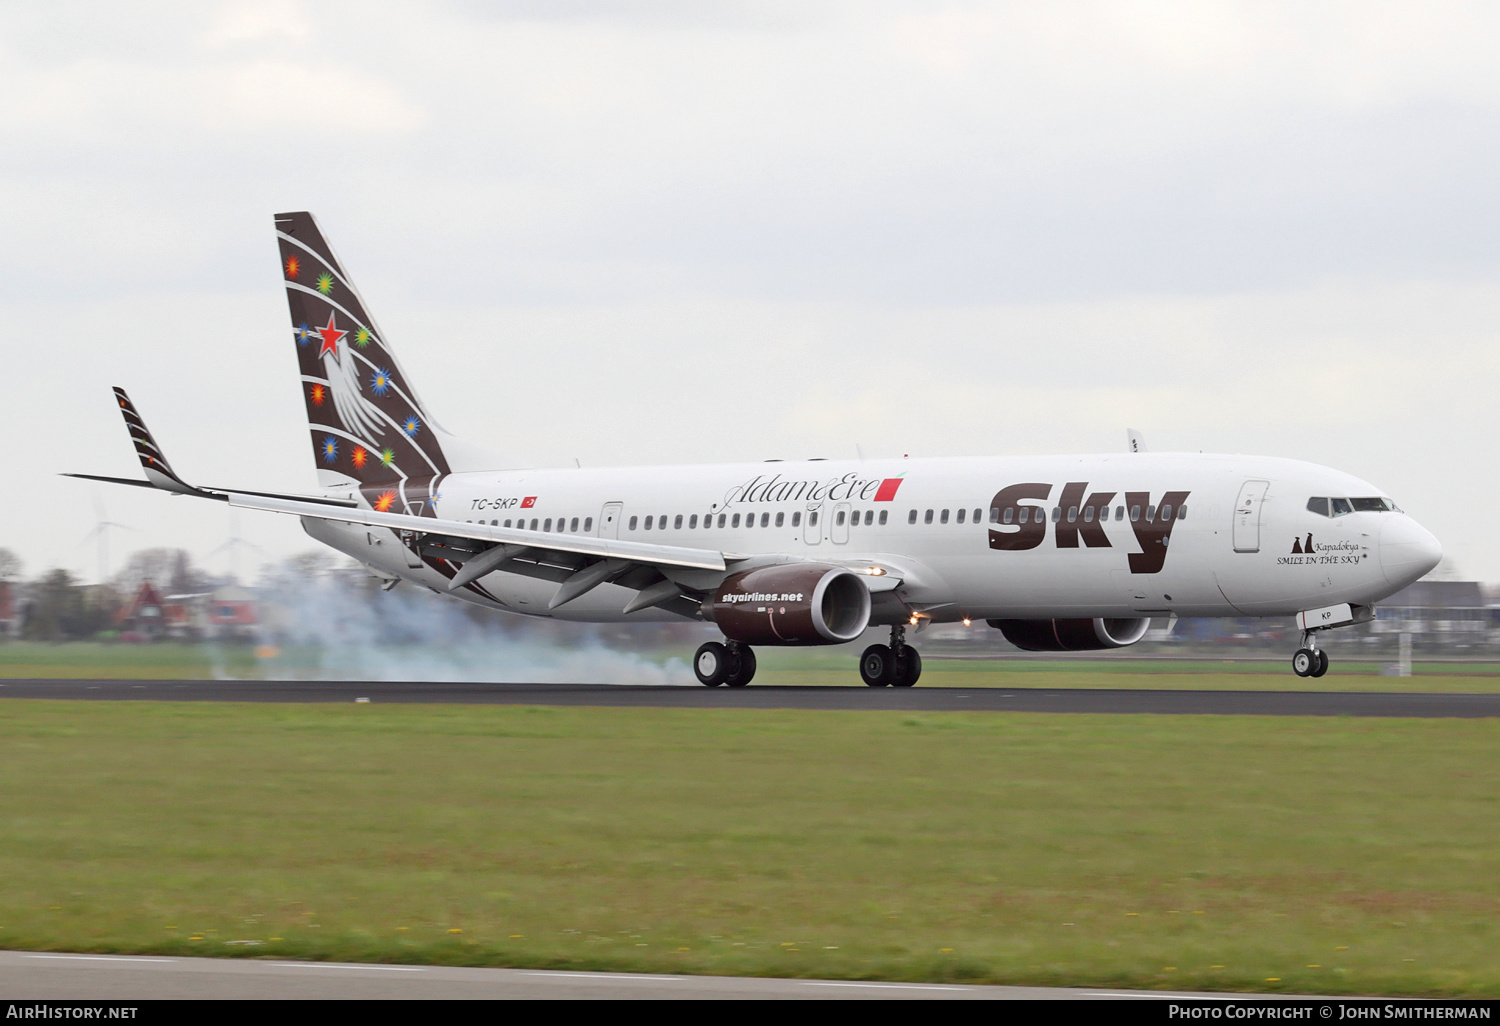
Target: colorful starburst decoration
[325,283]
[384,503]
[330,448]
[303,333]
[358,457]
[293,267]
[380,381]
[387,457]
[318,393]
[410,426]
[362,337]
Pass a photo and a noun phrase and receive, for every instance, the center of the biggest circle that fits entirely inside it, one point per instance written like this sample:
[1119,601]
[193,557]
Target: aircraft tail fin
[366,423]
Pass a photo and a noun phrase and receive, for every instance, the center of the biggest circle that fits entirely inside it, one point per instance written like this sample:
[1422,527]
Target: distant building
[230,612]
[10,610]
[1451,619]
[183,615]
[1457,609]
[141,619]
[233,611]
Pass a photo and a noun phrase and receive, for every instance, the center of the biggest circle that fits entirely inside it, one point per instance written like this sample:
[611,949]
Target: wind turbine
[101,530]
[234,544]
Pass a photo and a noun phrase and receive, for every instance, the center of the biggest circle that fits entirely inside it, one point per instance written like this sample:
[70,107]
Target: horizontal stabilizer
[121,480]
[221,494]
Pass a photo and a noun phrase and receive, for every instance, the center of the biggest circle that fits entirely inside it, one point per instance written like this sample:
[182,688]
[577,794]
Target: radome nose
[1407,550]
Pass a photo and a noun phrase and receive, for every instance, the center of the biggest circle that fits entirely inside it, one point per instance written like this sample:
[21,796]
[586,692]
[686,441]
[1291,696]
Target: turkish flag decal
[528,502]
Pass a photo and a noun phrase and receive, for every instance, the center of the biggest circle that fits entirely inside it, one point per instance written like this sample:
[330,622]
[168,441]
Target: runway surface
[38,976]
[918,699]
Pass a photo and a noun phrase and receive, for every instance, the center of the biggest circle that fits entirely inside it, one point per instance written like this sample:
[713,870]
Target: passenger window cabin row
[726,520]
[564,525]
[1009,515]
[1037,514]
[736,521]
[962,515]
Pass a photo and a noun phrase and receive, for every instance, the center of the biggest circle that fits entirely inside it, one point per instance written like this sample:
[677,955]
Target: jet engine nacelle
[1072,635]
[791,604]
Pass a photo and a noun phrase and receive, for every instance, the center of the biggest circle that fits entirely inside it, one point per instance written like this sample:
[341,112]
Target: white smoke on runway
[322,623]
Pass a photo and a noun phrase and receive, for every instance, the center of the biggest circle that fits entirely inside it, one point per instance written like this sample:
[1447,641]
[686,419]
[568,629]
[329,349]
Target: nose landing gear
[1309,660]
[896,665]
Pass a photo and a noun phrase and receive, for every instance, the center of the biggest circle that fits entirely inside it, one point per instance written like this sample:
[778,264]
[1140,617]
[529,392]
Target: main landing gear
[731,663]
[1309,660]
[896,665]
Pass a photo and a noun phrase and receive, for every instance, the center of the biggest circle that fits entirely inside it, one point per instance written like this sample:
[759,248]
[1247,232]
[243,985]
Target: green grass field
[833,666]
[829,667]
[117,660]
[1321,855]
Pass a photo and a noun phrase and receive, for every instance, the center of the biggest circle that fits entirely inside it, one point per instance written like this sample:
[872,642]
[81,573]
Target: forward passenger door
[1247,510]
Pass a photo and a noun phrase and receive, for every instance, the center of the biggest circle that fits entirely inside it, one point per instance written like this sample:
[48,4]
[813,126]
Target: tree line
[58,606]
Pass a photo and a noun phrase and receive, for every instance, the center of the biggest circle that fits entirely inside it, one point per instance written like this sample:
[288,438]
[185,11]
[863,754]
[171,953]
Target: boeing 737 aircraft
[1058,553]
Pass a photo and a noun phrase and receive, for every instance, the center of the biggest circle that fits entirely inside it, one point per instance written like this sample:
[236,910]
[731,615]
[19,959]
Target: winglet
[159,473]
[153,461]
[1134,441]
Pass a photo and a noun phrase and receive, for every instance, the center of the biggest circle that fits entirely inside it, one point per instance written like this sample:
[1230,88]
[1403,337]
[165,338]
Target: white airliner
[1057,552]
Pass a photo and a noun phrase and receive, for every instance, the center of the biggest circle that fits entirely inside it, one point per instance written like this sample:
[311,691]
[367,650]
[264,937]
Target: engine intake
[1082,635]
[791,604]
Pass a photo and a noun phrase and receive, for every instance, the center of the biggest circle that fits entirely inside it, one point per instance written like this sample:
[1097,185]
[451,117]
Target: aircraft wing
[583,545]
[221,494]
[159,473]
[578,562]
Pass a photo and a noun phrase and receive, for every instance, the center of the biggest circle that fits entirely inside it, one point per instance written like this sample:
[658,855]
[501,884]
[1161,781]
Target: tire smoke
[334,623]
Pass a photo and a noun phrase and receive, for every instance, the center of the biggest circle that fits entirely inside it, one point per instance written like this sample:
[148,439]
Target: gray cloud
[943,228]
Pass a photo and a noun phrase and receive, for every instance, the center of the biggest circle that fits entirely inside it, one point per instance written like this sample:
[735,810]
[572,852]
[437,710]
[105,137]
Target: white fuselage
[1239,548]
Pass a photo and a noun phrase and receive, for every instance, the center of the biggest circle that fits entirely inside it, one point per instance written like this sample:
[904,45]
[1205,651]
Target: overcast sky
[683,231]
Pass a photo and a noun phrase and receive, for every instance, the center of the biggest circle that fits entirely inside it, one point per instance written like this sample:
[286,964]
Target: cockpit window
[1336,507]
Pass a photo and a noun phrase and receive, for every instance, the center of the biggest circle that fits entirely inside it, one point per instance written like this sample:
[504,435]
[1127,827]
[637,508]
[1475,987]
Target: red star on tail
[330,336]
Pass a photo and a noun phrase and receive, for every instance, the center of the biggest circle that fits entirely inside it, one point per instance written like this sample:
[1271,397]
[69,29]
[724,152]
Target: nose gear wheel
[1310,660]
